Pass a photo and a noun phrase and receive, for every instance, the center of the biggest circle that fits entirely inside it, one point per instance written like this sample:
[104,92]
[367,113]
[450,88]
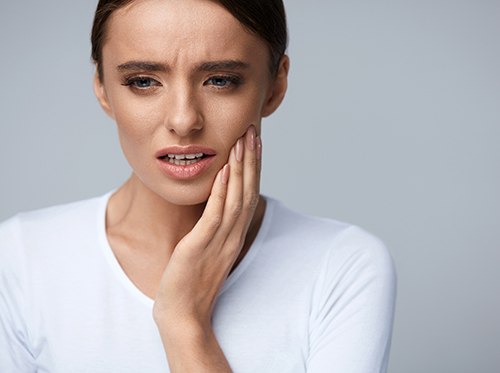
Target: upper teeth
[184,159]
[185,156]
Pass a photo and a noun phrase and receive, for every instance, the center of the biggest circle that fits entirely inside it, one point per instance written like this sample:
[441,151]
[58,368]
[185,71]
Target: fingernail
[250,138]
[224,177]
[258,152]
[239,150]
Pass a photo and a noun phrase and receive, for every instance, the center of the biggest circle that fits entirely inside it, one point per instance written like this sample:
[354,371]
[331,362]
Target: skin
[178,240]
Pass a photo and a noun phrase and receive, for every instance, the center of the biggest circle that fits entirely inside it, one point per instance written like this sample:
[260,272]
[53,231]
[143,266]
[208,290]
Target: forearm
[193,348]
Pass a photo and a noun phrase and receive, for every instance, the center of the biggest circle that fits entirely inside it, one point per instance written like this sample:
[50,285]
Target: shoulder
[330,251]
[53,215]
[332,238]
[286,225]
[49,227]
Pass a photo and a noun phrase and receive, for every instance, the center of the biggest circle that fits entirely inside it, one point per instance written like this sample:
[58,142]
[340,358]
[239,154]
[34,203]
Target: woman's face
[183,77]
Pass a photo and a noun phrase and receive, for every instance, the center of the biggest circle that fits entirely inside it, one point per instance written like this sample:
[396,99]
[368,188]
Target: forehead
[179,32]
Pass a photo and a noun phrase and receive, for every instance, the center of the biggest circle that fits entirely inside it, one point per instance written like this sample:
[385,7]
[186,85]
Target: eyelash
[131,82]
[231,82]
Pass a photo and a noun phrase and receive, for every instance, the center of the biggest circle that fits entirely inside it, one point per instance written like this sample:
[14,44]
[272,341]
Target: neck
[138,218]
[150,219]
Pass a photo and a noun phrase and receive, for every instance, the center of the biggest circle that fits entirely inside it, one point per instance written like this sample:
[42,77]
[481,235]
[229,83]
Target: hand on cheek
[203,259]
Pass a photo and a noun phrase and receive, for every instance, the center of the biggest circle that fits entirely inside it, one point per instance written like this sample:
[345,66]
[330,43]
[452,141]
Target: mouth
[184,159]
[185,163]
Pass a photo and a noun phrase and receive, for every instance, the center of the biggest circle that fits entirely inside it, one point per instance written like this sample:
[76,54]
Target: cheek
[137,121]
[232,115]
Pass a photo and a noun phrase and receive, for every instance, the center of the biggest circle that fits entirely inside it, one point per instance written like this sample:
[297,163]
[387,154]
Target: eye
[141,82]
[223,81]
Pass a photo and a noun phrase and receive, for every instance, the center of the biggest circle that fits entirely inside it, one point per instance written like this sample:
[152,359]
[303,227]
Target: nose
[183,111]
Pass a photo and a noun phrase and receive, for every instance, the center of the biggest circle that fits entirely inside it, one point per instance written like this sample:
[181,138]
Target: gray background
[391,121]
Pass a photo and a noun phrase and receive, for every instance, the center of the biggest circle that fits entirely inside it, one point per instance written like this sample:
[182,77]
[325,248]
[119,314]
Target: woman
[185,267]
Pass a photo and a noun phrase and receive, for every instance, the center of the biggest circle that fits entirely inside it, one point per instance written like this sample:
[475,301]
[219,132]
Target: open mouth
[185,162]
[184,159]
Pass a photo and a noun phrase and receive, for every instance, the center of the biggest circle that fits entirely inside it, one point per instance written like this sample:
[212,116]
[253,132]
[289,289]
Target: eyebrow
[205,66]
[223,65]
[142,66]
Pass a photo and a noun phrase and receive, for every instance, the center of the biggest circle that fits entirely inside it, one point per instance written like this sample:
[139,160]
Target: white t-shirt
[311,295]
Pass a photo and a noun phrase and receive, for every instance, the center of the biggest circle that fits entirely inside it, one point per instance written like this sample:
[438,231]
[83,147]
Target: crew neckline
[134,290]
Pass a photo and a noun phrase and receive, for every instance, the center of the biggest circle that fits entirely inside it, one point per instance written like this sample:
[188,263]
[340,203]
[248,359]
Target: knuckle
[252,161]
[248,201]
[236,208]
[216,221]
[251,200]
[220,198]
[213,222]
[238,171]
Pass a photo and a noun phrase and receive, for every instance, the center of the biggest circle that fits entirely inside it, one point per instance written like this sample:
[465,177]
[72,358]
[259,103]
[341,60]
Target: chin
[184,195]
[186,200]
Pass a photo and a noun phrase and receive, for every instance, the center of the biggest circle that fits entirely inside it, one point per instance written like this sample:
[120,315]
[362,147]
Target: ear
[100,93]
[277,88]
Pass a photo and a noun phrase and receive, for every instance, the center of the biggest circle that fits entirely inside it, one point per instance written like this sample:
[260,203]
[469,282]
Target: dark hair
[264,18]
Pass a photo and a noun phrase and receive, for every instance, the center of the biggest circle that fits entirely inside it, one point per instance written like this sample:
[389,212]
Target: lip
[185,172]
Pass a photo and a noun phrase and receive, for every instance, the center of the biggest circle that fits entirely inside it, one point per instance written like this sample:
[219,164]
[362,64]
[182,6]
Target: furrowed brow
[223,65]
[142,66]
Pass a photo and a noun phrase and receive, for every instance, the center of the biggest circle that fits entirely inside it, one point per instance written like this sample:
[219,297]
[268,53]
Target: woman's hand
[203,259]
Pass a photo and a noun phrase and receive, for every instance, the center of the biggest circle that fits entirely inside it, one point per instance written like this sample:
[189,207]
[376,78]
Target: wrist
[176,328]
[193,347]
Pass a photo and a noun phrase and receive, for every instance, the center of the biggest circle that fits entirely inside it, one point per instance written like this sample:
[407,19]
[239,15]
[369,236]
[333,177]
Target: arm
[351,323]
[14,343]
[202,261]
[193,348]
